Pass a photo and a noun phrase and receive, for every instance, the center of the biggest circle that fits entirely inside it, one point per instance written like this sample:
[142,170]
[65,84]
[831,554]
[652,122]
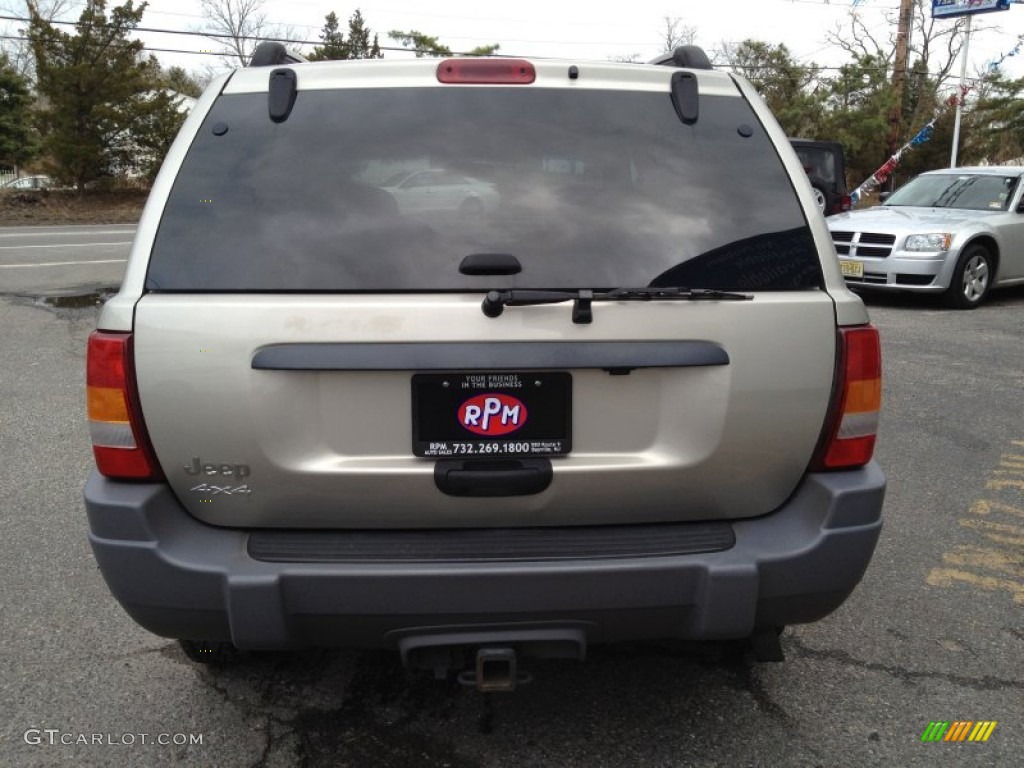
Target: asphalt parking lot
[934,633]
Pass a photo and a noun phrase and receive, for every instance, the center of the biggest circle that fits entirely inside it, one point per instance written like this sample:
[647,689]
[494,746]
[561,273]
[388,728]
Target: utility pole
[960,93]
[900,71]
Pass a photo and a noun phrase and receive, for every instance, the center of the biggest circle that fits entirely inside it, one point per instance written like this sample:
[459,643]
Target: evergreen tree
[993,129]
[180,81]
[857,106]
[427,45]
[921,104]
[783,83]
[17,139]
[336,46]
[96,91]
[359,44]
[160,119]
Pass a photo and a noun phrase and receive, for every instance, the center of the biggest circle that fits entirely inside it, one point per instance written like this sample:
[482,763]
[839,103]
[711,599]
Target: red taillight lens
[853,417]
[845,203]
[119,441]
[473,71]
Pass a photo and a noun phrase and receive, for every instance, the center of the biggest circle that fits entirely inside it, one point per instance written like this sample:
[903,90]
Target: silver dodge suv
[611,387]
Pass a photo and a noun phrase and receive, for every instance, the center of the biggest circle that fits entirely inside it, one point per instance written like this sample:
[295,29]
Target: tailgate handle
[519,477]
[480,356]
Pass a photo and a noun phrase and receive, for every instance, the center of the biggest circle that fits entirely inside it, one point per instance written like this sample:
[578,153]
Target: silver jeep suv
[611,387]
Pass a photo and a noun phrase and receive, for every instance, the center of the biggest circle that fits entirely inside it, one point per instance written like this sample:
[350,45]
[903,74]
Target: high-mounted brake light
[857,399]
[119,441]
[476,71]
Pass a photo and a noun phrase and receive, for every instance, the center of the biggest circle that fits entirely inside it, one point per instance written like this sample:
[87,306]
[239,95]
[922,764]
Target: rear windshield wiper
[496,301]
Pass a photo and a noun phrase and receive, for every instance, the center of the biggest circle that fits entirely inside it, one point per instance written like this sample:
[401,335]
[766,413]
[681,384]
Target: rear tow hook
[495,671]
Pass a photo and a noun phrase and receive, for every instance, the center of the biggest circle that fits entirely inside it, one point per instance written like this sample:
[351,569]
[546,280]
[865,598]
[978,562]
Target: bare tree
[858,40]
[676,34]
[935,44]
[238,26]
[18,50]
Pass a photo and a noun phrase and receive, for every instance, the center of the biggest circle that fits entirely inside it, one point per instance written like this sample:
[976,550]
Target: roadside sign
[944,9]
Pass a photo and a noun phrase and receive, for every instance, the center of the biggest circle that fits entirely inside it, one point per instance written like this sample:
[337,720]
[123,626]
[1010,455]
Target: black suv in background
[825,167]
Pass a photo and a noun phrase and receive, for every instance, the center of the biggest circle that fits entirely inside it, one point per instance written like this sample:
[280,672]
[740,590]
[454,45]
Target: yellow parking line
[987,506]
[987,559]
[945,577]
[988,525]
[1001,485]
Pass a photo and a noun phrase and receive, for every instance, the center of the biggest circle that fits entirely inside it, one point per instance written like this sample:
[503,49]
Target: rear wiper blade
[495,302]
[684,294]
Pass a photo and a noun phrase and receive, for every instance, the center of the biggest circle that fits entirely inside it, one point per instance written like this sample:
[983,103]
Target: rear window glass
[818,163]
[390,189]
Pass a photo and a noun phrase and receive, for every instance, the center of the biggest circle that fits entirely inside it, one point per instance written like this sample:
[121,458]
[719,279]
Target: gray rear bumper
[181,578]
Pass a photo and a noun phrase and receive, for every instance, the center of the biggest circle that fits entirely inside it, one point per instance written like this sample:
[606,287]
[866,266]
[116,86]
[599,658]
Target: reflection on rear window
[389,189]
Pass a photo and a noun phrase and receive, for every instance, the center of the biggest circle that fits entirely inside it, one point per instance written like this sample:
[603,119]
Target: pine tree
[17,140]
[336,46]
[359,43]
[994,126]
[97,91]
[428,45]
[783,82]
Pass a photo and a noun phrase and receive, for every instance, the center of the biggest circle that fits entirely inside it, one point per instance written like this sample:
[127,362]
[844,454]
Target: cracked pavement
[857,689]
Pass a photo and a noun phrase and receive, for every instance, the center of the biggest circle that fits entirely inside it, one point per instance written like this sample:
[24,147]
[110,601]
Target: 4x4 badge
[217,490]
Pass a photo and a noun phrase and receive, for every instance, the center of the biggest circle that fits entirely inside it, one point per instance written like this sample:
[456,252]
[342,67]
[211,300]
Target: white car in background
[956,231]
[30,182]
[433,189]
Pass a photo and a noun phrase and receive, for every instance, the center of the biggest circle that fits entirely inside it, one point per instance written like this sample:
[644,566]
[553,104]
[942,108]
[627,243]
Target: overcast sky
[598,29]
[592,29]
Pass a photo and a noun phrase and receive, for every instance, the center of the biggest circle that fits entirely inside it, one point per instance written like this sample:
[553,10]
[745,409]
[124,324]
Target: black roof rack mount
[685,56]
[273,54]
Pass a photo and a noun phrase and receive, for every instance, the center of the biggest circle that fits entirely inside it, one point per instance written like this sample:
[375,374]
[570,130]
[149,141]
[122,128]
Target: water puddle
[76,301]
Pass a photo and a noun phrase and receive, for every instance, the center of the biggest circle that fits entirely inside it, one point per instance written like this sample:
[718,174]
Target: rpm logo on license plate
[493,414]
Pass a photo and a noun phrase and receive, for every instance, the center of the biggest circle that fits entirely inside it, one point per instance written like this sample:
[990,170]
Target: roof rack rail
[685,56]
[272,54]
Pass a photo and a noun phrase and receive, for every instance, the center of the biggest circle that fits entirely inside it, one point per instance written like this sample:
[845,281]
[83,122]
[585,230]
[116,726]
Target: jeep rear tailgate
[333,448]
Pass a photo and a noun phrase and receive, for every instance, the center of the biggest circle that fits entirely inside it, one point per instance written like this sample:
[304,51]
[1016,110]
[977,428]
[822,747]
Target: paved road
[935,631]
[61,259]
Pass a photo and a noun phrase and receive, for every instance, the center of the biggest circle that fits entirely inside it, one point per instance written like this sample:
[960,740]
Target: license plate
[851,268]
[491,414]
